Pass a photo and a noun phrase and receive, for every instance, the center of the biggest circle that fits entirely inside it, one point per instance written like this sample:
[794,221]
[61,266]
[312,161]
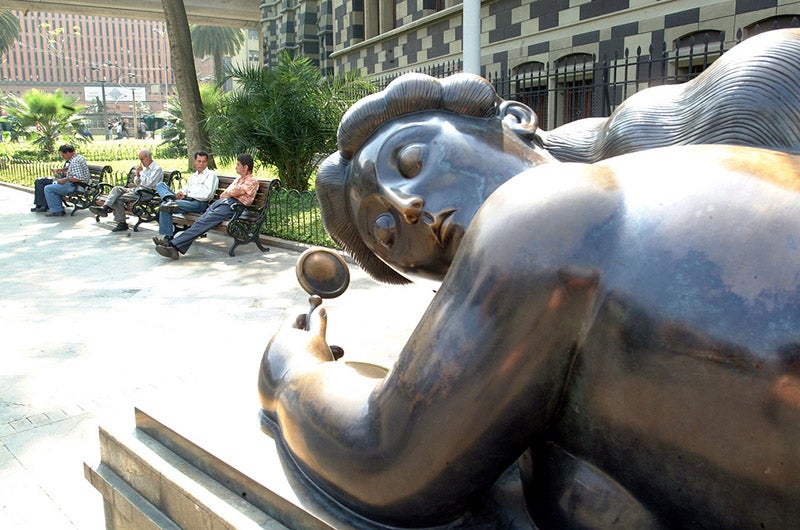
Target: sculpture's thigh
[562,491]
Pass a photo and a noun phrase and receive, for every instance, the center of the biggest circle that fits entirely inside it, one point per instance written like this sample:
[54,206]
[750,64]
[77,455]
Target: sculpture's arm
[473,384]
[480,376]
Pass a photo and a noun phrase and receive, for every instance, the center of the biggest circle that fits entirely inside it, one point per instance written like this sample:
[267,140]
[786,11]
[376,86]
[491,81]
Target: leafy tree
[175,135]
[47,118]
[216,42]
[285,117]
[9,30]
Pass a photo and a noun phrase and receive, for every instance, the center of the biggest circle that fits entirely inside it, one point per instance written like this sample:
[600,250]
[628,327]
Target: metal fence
[582,85]
[24,172]
[292,215]
[295,215]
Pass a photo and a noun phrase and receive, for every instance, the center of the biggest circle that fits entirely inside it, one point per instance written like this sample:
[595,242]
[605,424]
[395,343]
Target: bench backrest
[224,182]
[99,173]
[262,195]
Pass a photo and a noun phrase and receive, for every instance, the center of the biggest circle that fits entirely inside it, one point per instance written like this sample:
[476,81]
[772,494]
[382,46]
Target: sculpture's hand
[304,321]
[292,351]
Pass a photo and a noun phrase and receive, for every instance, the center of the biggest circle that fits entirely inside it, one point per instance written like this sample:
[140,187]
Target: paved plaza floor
[93,322]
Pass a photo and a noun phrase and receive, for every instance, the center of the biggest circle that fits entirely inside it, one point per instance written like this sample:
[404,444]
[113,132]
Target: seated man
[39,202]
[241,191]
[148,174]
[76,173]
[192,198]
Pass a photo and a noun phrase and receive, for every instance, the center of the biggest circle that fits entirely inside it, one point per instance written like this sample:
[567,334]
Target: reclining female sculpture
[629,329]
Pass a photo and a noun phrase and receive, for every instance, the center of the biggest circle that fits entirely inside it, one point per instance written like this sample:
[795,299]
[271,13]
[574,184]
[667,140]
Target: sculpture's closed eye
[409,160]
[386,229]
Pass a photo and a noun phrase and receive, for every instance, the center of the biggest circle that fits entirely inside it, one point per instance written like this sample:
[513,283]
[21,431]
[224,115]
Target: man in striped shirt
[75,173]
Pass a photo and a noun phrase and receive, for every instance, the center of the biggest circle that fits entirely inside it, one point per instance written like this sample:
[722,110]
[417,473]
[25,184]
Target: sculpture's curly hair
[465,94]
[749,96]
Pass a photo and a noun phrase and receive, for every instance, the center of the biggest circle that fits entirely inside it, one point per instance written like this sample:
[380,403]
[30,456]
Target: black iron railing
[292,215]
[583,85]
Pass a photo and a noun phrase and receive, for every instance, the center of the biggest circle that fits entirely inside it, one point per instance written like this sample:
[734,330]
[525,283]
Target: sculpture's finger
[317,322]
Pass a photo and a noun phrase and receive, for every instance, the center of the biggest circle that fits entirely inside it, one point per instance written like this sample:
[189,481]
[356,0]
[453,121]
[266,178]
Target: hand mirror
[322,272]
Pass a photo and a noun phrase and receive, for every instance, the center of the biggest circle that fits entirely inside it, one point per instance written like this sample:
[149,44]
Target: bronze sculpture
[628,329]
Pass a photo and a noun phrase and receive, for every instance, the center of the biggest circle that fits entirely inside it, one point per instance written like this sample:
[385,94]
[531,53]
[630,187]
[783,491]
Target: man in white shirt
[193,197]
[148,175]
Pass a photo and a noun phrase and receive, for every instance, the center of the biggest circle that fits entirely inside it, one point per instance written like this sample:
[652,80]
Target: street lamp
[103,91]
[133,96]
[163,34]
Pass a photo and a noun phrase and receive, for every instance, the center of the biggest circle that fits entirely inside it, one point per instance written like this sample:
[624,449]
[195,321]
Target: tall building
[89,56]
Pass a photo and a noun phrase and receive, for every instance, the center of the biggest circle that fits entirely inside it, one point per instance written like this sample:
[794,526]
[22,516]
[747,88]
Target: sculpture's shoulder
[733,205]
[542,217]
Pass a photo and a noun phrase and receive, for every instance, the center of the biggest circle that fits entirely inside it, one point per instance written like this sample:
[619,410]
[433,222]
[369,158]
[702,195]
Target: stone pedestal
[211,465]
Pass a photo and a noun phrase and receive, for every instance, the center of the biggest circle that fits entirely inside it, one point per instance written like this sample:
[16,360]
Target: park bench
[85,194]
[145,207]
[245,225]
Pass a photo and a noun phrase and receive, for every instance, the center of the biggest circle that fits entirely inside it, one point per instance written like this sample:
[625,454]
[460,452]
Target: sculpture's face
[414,187]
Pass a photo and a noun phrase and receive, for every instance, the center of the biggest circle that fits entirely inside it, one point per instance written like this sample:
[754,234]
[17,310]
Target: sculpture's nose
[409,206]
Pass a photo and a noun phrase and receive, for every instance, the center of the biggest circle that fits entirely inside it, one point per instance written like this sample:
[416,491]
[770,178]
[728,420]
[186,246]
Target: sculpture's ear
[520,118]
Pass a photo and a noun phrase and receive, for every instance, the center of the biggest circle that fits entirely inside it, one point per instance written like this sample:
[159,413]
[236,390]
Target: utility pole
[105,106]
[134,129]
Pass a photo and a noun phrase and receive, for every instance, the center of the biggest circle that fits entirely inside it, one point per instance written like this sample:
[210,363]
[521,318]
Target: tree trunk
[180,47]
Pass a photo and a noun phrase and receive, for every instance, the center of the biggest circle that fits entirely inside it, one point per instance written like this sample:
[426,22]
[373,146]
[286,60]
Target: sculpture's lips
[442,227]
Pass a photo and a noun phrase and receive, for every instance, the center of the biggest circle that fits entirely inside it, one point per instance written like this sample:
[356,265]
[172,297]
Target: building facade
[86,55]
[550,54]
[94,57]
[384,37]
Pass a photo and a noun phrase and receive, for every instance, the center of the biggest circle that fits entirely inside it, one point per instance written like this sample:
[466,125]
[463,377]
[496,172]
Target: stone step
[240,455]
[145,485]
[212,463]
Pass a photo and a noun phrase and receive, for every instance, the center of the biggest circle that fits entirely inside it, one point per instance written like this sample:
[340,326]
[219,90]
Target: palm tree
[216,42]
[285,117]
[9,30]
[45,117]
[175,135]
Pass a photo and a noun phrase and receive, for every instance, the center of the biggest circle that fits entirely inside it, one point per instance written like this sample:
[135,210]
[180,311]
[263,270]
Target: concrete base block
[213,466]
[146,486]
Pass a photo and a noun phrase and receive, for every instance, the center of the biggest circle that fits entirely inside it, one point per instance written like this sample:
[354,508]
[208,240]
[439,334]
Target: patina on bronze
[628,329]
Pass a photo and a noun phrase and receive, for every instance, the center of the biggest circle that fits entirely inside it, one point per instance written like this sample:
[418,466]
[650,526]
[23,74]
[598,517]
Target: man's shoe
[168,251]
[169,206]
[102,211]
[39,209]
[161,241]
[121,227]
[62,213]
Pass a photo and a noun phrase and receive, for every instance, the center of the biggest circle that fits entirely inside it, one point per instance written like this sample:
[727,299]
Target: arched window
[694,52]
[768,24]
[574,79]
[530,87]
